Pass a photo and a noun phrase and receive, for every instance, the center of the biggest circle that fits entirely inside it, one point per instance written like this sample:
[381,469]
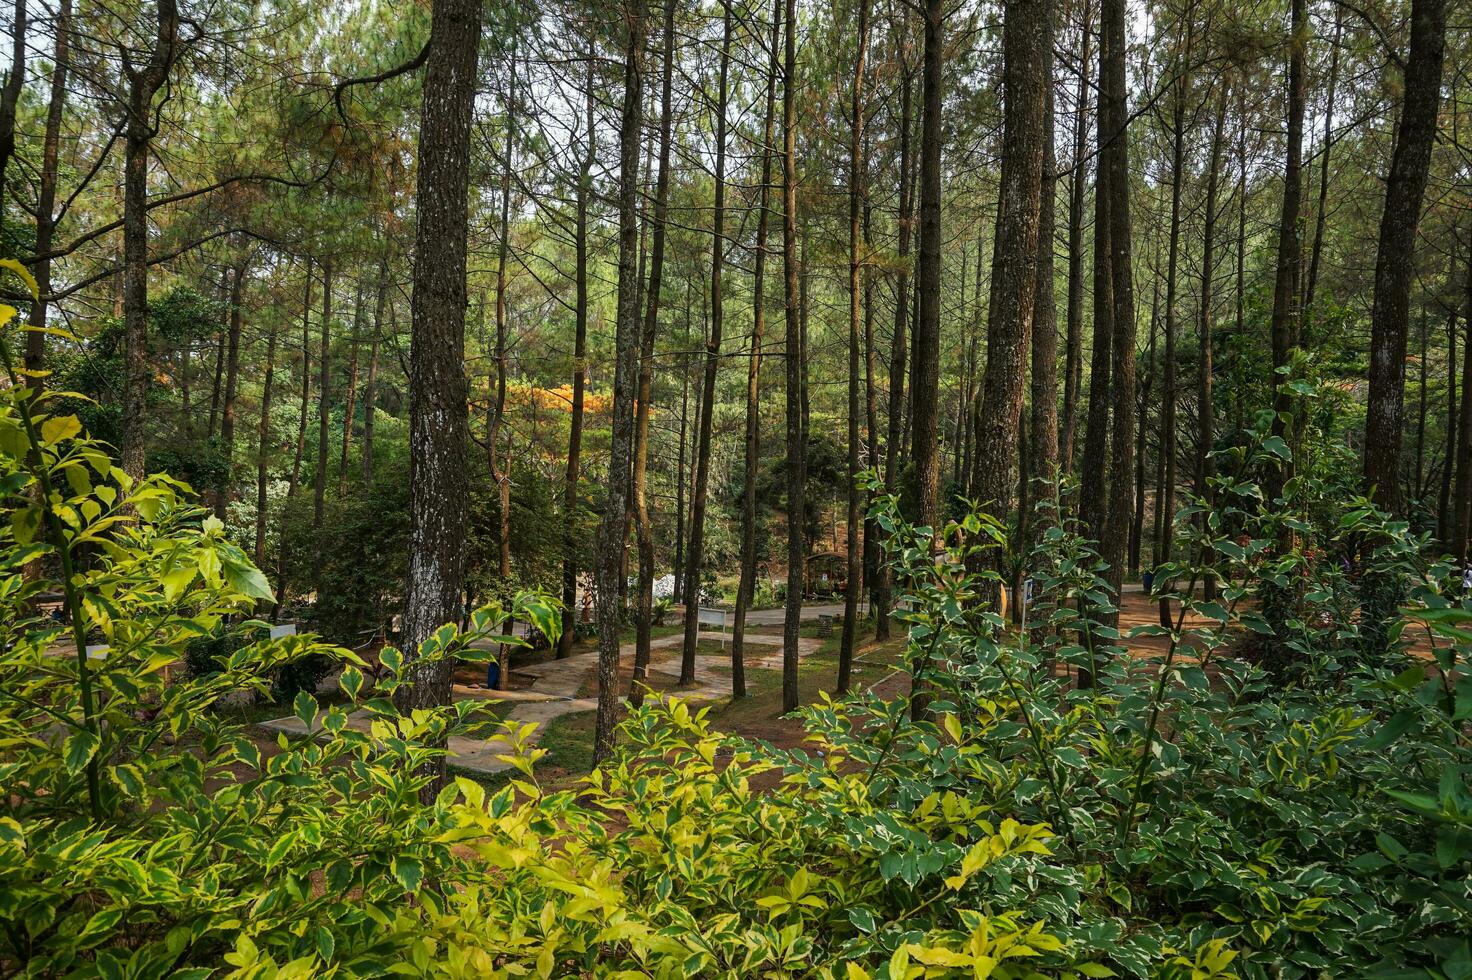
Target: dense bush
[1183,817]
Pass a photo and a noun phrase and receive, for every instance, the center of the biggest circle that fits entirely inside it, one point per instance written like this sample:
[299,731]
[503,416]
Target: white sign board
[97,651]
[285,629]
[711,617]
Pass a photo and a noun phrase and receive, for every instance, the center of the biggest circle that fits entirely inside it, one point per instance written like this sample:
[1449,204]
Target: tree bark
[626,349]
[139,129]
[796,463]
[695,554]
[1205,365]
[570,493]
[1395,258]
[1446,518]
[501,468]
[438,392]
[925,371]
[1077,181]
[855,199]
[1323,210]
[1025,83]
[1462,534]
[15,80]
[283,553]
[263,446]
[884,594]
[324,398]
[1122,385]
[1286,312]
[232,382]
[35,352]
[1165,503]
[350,397]
[747,586]
[370,389]
[1093,471]
[1043,423]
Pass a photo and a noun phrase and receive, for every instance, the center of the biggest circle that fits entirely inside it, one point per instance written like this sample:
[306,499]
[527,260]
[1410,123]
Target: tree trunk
[1395,258]
[925,371]
[1073,358]
[626,348]
[15,80]
[438,393]
[1122,385]
[263,446]
[1043,424]
[370,390]
[1165,503]
[1286,313]
[855,198]
[796,463]
[1205,366]
[139,130]
[350,397]
[570,506]
[1025,84]
[501,468]
[1093,471]
[1446,519]
[925,348]
[324,399]
[35,352]
[695,554]
[1418,477]
[884,594]
[283,554]
[1462,534]
[747,586]
[1147,384]
[1323,210]
[232,382]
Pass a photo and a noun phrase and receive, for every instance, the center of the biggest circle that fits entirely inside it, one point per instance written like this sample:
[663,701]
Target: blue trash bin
[1147,579]
[493,675]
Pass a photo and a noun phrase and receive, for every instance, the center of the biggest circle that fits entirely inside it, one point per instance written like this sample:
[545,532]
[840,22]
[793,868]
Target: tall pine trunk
[626,350]
[1395,259]
[139,128]
[695,556]
[796,463]
[855,313]
[438,392]
[579,376]
[751,474]
[1077,182]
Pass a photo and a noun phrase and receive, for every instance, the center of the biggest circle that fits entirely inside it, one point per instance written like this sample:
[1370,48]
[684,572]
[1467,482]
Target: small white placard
[285,629]
[97,651]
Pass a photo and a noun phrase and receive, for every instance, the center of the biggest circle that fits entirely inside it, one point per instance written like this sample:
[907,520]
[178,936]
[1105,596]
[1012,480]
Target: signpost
[710,616]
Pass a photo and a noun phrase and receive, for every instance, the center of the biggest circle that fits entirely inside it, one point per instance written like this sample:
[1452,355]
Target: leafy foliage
[1185,816]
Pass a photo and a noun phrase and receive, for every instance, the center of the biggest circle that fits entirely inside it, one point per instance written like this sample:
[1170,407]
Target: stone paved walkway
[557,684]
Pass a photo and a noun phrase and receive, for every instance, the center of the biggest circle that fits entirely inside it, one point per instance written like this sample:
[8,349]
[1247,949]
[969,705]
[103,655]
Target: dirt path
[556,685]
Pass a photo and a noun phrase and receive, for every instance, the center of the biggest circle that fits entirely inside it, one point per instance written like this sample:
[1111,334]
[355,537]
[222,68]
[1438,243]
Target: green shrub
[1184,817]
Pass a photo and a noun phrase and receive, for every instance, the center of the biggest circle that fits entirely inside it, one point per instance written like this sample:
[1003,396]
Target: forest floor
[560,696]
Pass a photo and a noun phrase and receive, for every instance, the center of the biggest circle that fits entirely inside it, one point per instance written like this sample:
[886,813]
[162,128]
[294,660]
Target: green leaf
[79,749]
[24,275]
[326,945]
[1276,446]
[1393,729]
[305,708]
[246,579]
[60,428]
[409,873]
[862,919]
